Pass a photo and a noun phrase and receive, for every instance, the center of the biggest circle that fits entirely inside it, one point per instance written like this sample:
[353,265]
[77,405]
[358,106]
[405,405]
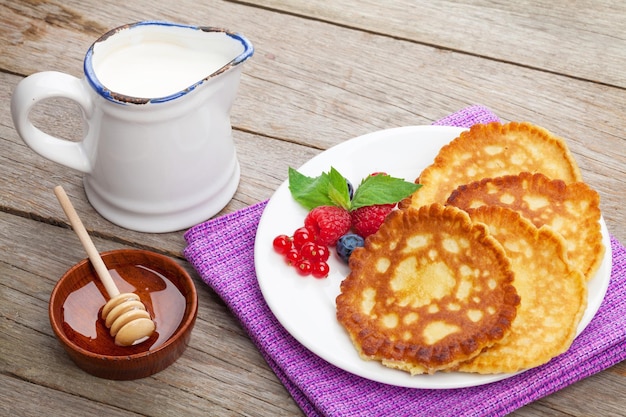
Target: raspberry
[367,220]
[328,223]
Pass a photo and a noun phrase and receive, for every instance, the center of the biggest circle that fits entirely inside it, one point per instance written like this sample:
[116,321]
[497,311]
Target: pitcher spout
[248,49]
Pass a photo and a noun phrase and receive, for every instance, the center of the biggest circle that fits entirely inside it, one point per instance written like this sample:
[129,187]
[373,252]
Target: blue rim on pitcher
[248,51]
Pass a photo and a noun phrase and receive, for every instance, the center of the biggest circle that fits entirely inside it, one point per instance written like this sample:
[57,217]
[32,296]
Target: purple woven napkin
[222,251]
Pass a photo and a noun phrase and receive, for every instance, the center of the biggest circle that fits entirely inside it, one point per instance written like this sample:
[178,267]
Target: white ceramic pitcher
[158,155]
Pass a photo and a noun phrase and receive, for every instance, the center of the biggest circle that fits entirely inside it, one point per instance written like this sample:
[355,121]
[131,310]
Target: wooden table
[323,72]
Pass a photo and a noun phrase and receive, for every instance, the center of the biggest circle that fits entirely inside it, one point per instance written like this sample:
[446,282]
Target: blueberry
[350,189]
[347,243]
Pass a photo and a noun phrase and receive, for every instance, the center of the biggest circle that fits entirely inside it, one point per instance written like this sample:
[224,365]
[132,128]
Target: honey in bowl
[164,287]
[82,310]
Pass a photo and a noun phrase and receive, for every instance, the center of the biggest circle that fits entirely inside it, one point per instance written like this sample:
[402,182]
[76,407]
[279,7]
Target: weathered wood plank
[583,39]
[234,377]
[573,400]
[219,374]
[307,96]
[314,81]
[28,179]
[26,399]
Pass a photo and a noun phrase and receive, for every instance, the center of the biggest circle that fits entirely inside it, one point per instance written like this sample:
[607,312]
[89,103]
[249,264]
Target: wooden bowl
[164,287]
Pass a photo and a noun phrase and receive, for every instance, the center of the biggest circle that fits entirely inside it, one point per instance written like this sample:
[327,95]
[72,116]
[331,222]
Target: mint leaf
[309,192]
[382,189]
[331,189]
[338,189]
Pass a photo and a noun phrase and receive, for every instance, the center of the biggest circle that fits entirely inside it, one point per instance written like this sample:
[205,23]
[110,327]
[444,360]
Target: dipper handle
[85,240]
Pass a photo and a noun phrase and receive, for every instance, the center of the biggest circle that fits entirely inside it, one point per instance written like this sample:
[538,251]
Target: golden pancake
[429,290]
[553,294]
[572,210]
[493,150]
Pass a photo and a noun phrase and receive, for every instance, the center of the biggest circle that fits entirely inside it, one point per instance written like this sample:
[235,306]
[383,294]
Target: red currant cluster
[301,252]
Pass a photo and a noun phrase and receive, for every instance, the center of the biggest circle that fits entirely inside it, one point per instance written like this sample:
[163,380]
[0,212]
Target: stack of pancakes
[484,268]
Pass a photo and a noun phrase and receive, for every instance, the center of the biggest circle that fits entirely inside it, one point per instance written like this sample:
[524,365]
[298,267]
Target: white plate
[306,306]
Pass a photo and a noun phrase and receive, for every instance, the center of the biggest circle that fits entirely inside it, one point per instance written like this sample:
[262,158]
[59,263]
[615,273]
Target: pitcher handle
[41,86]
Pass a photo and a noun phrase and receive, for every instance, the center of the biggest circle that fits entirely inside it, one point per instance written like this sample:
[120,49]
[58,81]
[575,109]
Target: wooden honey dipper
[124,314]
